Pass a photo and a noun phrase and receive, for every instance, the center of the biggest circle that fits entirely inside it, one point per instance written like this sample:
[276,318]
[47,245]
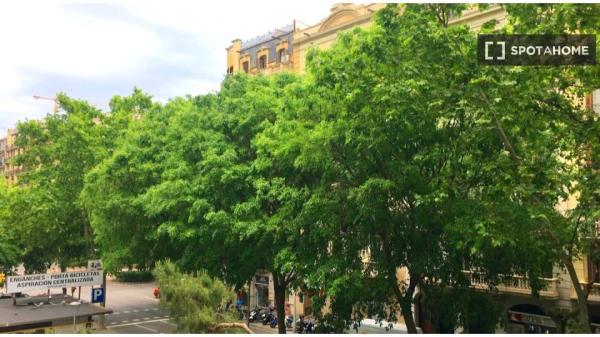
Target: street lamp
[75,306]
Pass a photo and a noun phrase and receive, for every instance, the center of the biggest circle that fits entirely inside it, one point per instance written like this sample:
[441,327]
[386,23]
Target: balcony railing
[515,284]
[594,295]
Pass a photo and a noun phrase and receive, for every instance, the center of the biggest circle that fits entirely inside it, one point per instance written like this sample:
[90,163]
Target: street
[135,310]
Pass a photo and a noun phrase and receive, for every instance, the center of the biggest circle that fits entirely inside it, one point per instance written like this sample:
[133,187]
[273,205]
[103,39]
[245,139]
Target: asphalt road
[135,310]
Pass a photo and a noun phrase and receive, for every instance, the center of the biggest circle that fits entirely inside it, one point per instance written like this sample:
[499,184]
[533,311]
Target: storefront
[261,290]
[523,321]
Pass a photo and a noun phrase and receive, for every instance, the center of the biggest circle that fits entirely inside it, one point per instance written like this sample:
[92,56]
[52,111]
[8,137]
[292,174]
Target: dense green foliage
[376,181]
[134,276]
[193,299]
[9,256]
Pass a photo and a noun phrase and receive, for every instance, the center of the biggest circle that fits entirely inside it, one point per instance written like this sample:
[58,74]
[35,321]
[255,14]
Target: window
[281,55]
[262,62]
[230,70]
[245,66]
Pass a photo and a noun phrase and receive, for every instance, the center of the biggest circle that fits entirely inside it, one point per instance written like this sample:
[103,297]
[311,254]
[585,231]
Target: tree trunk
[405,300]
[581,296]
[406,307]
[279,287]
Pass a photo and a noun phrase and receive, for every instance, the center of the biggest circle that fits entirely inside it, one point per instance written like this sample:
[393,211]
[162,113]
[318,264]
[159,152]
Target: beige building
[265,54]
[8,151]
[262,294]
[285,49]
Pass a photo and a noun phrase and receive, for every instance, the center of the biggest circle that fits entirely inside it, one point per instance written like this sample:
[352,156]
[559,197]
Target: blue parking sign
[97,295]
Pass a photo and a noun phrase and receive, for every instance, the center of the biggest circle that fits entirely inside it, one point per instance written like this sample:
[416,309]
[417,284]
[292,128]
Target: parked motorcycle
[305,327]
[257,315]
[273,322]
[289,321]
[268,318]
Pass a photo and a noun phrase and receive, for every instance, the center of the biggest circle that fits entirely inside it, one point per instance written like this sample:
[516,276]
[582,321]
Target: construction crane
[54,99]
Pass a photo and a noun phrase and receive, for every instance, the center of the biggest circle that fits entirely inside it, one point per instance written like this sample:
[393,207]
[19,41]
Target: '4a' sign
[94,265]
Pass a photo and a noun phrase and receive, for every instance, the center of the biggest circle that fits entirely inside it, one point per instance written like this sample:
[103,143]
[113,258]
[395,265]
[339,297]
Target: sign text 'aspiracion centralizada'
[25,283]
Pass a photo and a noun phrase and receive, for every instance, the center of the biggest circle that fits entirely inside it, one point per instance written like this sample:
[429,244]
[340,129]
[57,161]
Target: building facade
[265,54]
[8,151]
[285,49]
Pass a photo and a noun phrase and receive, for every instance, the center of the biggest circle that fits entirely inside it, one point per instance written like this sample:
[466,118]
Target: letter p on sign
[97,295]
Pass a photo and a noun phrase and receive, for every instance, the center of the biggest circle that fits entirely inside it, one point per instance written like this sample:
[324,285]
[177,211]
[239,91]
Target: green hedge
[134,276]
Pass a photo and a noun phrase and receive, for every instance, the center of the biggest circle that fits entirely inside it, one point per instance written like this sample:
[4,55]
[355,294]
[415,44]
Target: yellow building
[265,54]
[286,48]
[343,17]
[8,151]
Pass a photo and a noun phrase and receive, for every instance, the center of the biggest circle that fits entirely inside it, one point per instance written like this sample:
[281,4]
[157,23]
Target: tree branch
[507,144]
[223,326]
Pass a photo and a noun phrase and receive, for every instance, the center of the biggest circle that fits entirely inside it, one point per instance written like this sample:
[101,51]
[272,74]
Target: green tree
[191,183]
[49,220]
[124,234]
[195,301]
[561,158]
[436,164]
[9,255]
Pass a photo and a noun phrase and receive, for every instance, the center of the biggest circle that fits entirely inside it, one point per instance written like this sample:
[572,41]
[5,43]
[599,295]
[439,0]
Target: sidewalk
[371,326]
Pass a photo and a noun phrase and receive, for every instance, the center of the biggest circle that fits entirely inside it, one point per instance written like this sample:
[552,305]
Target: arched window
[262,62]
[282,55]
[245,66]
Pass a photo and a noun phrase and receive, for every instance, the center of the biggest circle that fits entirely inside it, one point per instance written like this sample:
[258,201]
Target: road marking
[126,321]
[116,313]
[166,316]
[156,317]
[146,309]
[136,320]
[146,318]
[126,312]
[136,310]
[155,309]
[157,320]
[168,322]
[112,323]
[147,328]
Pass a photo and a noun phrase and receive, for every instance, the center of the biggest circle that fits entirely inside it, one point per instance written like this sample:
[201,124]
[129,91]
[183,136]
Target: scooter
[273,322]
[256,314]
[268,318]
[305,327]
[289,321]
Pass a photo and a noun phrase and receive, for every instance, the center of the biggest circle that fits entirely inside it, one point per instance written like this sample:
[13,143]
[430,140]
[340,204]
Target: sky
[93,51]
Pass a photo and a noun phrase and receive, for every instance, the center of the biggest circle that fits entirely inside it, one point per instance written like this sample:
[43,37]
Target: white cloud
[192,86]
[240,19]
[48,47]
[53,40]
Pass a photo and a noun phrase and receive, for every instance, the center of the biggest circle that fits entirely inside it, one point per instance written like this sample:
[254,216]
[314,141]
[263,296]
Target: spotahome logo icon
[536,49]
